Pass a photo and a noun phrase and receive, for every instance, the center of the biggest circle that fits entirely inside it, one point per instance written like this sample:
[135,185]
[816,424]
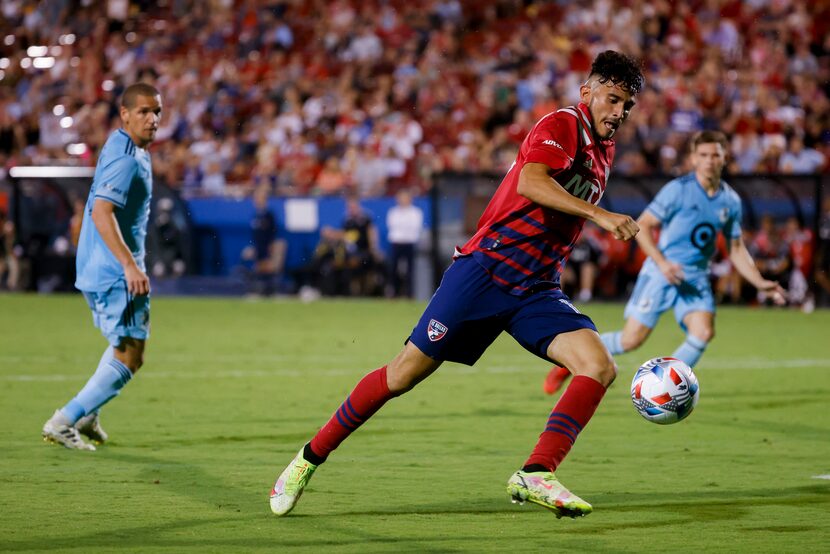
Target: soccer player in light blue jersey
[690,211]
[110,266]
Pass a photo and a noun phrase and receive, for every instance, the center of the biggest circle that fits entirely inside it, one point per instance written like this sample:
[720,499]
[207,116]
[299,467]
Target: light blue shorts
[653,295]
[118,314]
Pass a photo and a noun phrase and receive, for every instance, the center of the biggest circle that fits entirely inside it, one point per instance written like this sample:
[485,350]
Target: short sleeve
[115,180]
[667,202]
[732,229]
[553,142]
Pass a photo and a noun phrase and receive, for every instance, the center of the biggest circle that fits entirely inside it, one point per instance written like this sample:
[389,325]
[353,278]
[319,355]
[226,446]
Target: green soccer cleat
[544,488]
[290,484]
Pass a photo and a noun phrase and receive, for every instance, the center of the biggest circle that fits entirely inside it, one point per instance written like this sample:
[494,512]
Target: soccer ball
[664,390]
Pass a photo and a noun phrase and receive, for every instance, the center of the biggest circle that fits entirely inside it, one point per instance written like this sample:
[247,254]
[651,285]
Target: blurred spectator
[331,180]
[266,250]
[275,89]
[772,255]
[364,260]
[75,221]
[799,159]
[800,244]
[327,272]
[822,259]
[404,223]
[9,265]
[581,270]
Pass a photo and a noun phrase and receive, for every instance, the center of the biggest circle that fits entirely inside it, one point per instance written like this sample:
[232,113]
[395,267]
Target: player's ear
[585,92]
[124,113]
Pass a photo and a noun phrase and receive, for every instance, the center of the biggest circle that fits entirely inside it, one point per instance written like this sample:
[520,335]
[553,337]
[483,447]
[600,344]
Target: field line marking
[530,367]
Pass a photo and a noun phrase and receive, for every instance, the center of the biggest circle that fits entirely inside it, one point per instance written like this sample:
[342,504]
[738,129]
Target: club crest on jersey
[723,214]
[436,330]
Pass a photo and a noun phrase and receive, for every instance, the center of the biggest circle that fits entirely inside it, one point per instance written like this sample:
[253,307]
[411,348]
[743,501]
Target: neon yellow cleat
[290,484]
[544,488]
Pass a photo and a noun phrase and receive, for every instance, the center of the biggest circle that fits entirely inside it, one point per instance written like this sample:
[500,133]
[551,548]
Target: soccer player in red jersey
[506,278]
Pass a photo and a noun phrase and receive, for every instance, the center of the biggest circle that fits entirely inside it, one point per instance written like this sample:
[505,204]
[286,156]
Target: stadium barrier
[207,235]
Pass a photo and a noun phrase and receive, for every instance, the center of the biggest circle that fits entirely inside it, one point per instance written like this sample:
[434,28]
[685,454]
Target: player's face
[609,104]
[141,121]
[708,160]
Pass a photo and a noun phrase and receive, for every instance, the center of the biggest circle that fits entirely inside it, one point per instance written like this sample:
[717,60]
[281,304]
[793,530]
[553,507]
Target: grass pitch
[231,389]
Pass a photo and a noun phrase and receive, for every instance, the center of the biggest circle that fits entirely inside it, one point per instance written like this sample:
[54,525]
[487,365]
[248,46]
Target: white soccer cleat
[290,484]
[90,426]
[59,431]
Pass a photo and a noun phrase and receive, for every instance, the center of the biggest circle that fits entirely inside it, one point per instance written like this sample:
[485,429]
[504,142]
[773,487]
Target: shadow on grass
[375,529]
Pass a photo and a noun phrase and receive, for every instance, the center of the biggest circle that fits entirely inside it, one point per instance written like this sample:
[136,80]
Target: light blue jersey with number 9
[691,220]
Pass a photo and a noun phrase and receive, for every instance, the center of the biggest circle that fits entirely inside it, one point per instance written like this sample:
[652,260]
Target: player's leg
[700,330]
[652,296]
[124,321]
[594,370]
[457,325]
[407,369]
[695,312]
[556,377]
[633,334]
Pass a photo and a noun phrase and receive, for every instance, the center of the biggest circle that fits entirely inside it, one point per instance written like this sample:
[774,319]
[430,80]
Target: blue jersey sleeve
[115,181]
[732,229]
[667,201]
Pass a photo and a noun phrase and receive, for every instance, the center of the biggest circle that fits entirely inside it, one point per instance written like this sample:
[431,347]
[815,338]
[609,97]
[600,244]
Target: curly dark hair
[621,70]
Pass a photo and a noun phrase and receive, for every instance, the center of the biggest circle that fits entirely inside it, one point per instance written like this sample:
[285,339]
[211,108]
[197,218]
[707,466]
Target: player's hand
[673,272]
[137,281]
[773,289]
[622,226]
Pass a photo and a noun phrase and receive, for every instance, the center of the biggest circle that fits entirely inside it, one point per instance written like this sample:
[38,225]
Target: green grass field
[231,389]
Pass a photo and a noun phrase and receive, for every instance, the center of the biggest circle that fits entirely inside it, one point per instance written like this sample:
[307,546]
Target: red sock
[571,414]
[368,396]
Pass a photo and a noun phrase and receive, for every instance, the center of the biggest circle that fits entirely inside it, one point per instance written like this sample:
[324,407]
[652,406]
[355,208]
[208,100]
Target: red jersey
[522,244]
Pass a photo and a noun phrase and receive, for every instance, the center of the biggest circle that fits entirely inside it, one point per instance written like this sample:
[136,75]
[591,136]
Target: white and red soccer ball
[664,390]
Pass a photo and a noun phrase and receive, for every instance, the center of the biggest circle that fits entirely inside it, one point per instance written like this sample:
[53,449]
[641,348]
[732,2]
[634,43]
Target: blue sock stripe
[344,423]
[555,420]
[352,411]
[123,371]
[557,428]
[344,414]
[568,418]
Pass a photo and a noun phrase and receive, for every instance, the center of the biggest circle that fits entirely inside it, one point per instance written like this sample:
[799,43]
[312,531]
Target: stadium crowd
[324,97]
[368,98]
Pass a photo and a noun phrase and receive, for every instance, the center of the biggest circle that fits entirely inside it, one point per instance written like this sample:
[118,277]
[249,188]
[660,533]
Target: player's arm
[649,223]
[536,184]
[743,262]
[103,216]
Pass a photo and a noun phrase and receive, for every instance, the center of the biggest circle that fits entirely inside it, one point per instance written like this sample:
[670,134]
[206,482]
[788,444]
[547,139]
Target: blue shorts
[468,312]
[653,295]
[119,314]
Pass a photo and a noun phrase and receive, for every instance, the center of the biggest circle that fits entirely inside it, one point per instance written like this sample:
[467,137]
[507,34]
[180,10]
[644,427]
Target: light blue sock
[613,342]
[690,351]
[105,383]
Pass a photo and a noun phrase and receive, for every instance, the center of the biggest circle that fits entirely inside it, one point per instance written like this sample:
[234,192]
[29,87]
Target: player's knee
[398,383]
[599,366]
[630,341]
[703,334]
[607,372]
